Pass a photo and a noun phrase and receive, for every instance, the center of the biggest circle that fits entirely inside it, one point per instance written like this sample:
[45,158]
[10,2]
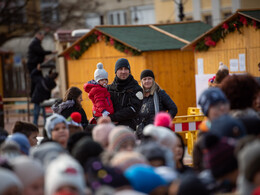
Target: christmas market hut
[155,47]
[235,42]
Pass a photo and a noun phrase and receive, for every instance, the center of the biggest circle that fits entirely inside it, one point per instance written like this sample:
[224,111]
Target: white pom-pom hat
[100,73]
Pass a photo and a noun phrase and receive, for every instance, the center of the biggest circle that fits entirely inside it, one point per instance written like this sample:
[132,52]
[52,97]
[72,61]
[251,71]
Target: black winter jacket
[43,86]
[36,54]
[127,97]
[147,111]
[66,108]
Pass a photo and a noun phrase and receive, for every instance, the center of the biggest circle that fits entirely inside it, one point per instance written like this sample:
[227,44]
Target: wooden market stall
[235,42]
[155,47]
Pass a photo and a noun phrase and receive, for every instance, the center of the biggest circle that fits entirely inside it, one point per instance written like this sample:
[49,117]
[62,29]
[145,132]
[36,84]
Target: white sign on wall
[242,62]
[200,66]
[233,65]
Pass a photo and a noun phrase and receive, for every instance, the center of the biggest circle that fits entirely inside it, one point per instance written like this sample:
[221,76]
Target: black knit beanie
[146,73]
[122,62]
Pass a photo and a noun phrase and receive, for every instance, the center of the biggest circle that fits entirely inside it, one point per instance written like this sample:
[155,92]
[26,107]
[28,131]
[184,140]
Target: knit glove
[105,113]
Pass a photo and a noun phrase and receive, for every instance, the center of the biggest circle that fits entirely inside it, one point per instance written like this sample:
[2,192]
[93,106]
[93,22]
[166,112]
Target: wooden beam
[169,34]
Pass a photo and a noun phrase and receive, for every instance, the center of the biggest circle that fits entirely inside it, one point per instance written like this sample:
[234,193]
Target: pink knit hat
[100,133]
[118,136]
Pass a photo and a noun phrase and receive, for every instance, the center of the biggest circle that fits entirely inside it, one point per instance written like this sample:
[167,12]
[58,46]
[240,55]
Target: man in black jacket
[126,95]
[42,91]
[36,53]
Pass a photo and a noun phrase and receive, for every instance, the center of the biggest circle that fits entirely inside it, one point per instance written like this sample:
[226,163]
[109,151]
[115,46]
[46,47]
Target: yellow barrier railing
[187,126]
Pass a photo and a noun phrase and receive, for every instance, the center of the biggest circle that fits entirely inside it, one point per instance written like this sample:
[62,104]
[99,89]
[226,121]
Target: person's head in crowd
[75,94]
[211,81]
[213,103]
[10,183]
[252,125]
[249,167]
[121,138]
[22,142]
[103,120]
[101,75]
[31,174]
[240,90]
[143,178]
[156,154]
[122,69]
[57,129]
[162,135]
[3,135]
[197,154]
[40,35]
[100,133]
[163,119]
[74,138]
[74,123]
[123,160]
[256,102]
[179,152]
[30,130]
[220,159]
[64,173]
[227,126]
[46,152]
[99,175]
[190,184]
[220,75]
[85,149]
[241,143]
[10,150]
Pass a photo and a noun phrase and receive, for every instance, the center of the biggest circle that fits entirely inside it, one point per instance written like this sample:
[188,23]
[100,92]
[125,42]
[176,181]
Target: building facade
[210,11]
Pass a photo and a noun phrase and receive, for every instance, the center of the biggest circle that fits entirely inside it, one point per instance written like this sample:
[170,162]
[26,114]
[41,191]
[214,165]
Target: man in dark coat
[126,95]
[36,54]
[42,90]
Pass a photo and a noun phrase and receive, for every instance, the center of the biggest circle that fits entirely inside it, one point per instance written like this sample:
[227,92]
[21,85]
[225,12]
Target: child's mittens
[105,113]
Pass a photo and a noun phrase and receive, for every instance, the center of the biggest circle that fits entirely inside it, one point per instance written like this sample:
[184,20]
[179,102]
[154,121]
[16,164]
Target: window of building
[226,15]
[93,20]
[117,17]
[208,19]
[49,10]
[142,15]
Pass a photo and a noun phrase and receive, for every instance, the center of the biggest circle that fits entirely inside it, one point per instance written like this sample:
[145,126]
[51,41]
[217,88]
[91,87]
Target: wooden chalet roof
[249,13]
[149,37]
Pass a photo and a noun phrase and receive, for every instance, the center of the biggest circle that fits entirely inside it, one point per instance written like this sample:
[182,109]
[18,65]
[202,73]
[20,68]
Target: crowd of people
[132,148]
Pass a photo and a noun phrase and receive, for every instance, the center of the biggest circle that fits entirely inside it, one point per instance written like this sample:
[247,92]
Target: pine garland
[94,38]
[223,31]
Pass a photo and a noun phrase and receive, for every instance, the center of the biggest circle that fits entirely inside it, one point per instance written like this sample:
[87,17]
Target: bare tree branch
[22,18]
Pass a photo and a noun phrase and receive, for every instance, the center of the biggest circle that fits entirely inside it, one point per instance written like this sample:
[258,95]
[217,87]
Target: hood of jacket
[59,107]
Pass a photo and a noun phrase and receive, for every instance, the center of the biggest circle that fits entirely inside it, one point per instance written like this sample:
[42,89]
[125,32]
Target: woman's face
[147,82]
[79,99]
[178,152]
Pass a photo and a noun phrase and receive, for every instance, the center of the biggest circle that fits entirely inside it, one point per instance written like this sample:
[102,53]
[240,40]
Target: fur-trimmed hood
[59,106]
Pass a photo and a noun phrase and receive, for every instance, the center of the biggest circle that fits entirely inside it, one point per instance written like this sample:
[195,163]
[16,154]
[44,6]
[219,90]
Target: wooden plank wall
[82,70]
[174,72]
[248,42]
